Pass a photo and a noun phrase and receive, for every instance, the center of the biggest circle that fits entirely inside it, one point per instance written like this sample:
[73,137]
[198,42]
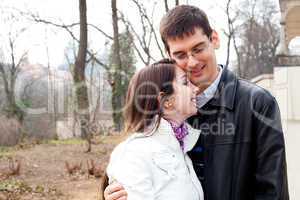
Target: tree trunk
[117,66]
[9,74]
[230,32]
[79,77]
[238,55]
[51,92]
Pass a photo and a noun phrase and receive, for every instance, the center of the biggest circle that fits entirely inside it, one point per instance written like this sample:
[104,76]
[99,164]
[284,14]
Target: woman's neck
[175,120]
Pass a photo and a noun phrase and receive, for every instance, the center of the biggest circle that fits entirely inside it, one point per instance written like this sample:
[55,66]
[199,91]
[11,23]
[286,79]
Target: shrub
[10,131]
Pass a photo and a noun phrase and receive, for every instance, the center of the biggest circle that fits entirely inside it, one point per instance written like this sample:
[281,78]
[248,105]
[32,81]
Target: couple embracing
[197,131]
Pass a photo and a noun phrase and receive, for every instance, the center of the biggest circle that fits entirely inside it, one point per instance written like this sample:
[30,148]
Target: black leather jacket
[240,154]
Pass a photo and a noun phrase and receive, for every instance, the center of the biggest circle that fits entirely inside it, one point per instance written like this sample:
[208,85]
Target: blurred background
[65,67]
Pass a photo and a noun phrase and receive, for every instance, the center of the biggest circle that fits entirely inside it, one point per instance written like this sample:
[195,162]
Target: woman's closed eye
[184,80]
[181,56]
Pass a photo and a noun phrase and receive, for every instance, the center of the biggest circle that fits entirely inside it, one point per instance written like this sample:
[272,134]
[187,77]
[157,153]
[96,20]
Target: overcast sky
[38,37]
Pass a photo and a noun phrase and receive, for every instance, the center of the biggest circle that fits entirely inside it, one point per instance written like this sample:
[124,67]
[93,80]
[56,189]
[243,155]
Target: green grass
[14,185]
[6,151]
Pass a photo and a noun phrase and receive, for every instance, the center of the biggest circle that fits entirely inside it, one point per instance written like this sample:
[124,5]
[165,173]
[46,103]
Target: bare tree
[143,41]
[68,29]
[93,84]
[116,67]
[116,47]
[92,55]
[97,93]
[259,36]
[79,76]
[123,75]
[9,73]
[253,34]
[231,31]
[52,92]
[166,5]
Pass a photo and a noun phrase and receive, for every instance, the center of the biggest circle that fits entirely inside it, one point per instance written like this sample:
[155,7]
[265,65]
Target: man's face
[195,54]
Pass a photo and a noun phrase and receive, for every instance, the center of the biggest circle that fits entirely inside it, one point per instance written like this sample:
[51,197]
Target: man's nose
[192,61]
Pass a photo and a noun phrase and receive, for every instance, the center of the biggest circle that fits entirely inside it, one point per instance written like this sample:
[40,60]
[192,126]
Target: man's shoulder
[254,93]
[244,89]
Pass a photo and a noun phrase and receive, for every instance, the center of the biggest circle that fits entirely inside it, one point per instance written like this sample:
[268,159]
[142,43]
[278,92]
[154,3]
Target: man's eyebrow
[177,52]
[199,44]
[195,46]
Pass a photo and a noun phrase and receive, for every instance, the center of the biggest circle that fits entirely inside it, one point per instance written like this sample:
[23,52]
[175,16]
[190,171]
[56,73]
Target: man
[241,153]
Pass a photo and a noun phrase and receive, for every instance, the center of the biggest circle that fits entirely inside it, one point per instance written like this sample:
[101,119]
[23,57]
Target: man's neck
[203,86]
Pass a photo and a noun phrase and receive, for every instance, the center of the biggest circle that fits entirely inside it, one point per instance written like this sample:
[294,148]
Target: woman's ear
[169,103]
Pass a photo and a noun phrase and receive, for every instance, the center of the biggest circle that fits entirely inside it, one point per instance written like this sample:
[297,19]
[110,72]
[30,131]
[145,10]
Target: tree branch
[67,28]
[166,5]
[150,23]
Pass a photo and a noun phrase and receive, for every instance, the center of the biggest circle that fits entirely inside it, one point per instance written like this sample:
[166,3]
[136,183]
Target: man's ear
[215,40]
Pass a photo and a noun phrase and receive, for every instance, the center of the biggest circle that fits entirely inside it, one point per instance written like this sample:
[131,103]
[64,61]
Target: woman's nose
[194,88]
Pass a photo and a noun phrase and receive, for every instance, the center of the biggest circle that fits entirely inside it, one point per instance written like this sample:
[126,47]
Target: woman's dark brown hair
[142,105]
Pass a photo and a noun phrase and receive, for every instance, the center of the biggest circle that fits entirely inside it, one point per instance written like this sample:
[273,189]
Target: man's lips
[197,71]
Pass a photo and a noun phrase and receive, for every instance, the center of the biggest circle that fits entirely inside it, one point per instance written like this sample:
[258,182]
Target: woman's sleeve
[132,168]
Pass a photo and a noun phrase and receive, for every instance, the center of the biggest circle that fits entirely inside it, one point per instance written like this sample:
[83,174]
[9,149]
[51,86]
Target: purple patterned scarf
[180,132]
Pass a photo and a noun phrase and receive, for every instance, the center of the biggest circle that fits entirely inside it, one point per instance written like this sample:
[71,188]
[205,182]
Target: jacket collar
[225,94]
[165,135]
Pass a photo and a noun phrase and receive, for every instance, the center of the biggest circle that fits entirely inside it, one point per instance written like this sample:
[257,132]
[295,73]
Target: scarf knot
[180,132]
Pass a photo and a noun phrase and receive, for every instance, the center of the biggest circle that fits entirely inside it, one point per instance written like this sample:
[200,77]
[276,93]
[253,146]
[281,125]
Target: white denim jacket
[154,167]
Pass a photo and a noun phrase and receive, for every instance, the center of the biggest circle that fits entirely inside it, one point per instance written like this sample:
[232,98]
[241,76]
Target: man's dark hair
[181,21]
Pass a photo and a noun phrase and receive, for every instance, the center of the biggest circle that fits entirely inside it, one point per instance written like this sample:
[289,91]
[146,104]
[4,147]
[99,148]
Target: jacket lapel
[225,94]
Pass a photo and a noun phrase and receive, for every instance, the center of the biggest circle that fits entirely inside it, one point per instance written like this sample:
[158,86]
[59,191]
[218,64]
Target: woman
[152,164]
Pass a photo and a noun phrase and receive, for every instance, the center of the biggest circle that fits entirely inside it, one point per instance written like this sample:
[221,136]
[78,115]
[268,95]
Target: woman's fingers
[118,195]
[115,191]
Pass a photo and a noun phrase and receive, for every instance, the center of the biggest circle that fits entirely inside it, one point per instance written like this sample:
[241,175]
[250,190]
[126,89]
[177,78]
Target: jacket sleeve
[131,168]
[271,171]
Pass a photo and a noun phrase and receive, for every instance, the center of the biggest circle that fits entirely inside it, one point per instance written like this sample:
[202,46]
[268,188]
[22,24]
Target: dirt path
[44,175]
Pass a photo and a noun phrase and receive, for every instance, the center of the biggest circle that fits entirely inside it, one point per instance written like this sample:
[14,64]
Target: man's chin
[198,81]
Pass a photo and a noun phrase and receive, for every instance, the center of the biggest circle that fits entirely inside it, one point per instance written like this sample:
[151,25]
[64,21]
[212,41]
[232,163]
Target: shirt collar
[227,88]
[210,91]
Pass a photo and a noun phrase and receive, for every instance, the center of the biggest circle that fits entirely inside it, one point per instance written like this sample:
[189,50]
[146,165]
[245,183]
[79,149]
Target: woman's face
[184,103]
